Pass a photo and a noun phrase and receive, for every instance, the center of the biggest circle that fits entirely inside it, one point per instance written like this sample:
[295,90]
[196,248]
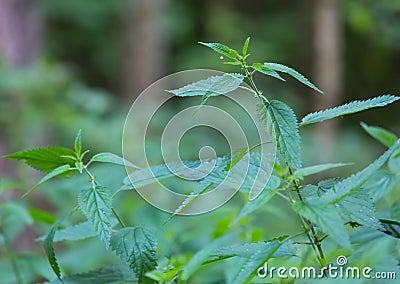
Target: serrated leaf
[111,158]
[245,46]
[349,108]
[326,217]
[255,204]
[76,232]
[136,246]
[382,135]
[247,250]
[267,71]
[306,171]
[379,184]
[249,269]
[45,159]
[222,49]
[78,143]
[56,172]
[285,69]
[96,204]
[212,86]
[358,207]
[197,260]
[104,275]
[355,181]
[286,132]
[236,158]
[49,249]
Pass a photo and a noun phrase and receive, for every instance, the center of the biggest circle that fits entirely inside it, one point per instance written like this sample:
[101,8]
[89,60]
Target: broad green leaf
[45,159]
[349,108]
[306,171]
[111,158]
[379,184]
[285,69]
[236,158]
[358,207]
[382,135]
[266,195]
[222,49]
[78,143]
[104,275]
[286,132]
[136,246]
[96,204]
[56,172]
[212,86]
[163,276]
[355,181]
[76,232]
[267,71]
[326,217]
[247,250]
[42,216]
[249,269]
[197,260]
[245,46]
[157,173]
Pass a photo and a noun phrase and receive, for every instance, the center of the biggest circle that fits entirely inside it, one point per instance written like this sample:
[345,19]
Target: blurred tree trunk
[144,45]
[328,69]
[20,27]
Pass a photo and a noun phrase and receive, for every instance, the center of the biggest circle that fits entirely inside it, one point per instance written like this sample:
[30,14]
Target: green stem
[308,226]
[118,218]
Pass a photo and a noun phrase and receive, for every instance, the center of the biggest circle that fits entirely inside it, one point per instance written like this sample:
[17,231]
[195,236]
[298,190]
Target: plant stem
[118,218]
[308,226]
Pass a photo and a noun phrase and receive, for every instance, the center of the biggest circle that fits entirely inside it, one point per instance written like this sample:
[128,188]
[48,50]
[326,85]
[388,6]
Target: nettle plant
[331,211]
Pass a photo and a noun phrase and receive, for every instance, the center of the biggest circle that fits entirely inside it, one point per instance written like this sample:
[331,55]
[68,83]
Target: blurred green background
[66,65]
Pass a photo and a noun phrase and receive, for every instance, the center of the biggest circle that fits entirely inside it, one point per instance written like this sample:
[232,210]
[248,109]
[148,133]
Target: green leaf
[56,172]
[78,143]
[286,132]
[247,250]
[104,275]
[252,205]
[222,49]
[391,227]
[355,181]
[285,69]
[42,216]
[352,107]
[326,217]
[136,246]
[267,71]
[76,232]
[236,158]
[96,204]
[45,159]
[394,162]
[111,158]
[358,208]
[245,46]
[212,86]
[49,249]
[249,269]
[306,171]
[379,184]
[197,260]
[382,135]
